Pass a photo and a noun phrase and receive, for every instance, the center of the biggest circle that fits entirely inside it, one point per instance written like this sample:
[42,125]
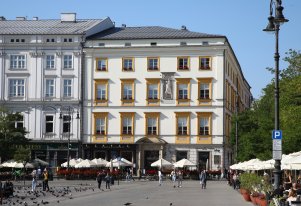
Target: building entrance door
[150,157]
[203,160]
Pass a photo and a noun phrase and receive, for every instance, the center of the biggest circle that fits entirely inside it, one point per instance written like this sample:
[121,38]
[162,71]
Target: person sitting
[292,196]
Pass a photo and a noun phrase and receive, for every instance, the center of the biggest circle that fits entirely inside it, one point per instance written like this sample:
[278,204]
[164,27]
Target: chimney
[183,27]
[68,17]
[123,25]
[20,18]
[35,18]
[2,18]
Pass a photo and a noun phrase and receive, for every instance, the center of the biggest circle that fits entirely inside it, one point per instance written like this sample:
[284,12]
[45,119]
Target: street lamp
[68,118]
[274,26]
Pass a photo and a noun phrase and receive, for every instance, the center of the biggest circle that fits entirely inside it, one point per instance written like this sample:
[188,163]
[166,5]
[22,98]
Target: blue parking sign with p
[277,134]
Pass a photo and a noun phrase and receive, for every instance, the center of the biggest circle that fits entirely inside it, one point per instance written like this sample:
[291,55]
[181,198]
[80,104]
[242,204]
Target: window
[183,91]
[49,88]
[127,44]
[49,61]
[17,61]
[182,127]
[49,124]
[152,91]
[19,123]
[127,126]
[16,87]
[205,90]
[217,159]
[127,64]
[127,91]
[66,123]
[153,64]
[101,64]
[67,88]
[204,127]
[152,123]
[153,43]
[101,92]
[100,126]
[183,63]
[101,44]
[68,40]
[205,63]
[50,40]
[67,61]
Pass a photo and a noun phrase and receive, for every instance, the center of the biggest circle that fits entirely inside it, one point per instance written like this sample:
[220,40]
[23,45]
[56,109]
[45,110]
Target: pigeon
[128,203]
[170,204]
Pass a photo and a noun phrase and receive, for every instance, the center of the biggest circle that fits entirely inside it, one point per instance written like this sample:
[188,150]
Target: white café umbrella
[85,164]
[72,163]
[184,163]
[119,163]
[21,165]
[100,162]
[161,163]
[9,163]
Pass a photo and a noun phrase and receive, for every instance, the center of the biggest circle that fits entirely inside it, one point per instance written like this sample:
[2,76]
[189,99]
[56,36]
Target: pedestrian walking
[203,178]
[160,176]
[34,180]
[173,178]
[99,179]
[45,180]
[180,178]
[108,181]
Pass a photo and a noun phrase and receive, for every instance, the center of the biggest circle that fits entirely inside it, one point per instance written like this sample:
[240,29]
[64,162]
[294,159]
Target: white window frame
[182,122]
[127,122]
[100,125]
[17,122]
[68,63]
[152,128]
[48,88]
[127,93]
[50,61]
[49,122]
[18,61]
[68,87]
[184,89]
[153,91]
[101,93]
[19,87]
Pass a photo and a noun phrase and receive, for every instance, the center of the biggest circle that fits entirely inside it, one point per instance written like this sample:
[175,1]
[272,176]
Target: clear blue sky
[241,21]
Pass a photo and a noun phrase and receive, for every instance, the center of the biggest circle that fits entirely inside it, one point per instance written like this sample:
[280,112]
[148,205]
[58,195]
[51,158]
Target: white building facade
[154,92]
[41,72]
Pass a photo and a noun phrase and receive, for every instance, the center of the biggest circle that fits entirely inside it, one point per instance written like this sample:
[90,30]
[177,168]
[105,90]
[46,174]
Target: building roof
[148,32]
[9,27]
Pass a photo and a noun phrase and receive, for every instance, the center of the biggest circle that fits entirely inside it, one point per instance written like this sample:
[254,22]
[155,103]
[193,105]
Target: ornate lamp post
[274,26]
[68,118]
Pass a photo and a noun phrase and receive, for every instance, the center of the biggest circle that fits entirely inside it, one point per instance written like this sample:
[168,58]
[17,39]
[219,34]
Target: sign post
[277,144]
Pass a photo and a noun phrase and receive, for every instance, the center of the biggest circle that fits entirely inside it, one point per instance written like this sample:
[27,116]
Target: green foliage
[255,125]
[10,136]
[22,155]
[249,181]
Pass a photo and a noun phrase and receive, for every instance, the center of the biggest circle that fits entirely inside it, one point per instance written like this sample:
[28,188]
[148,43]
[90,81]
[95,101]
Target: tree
[22,155]
[256,124]
[10,134]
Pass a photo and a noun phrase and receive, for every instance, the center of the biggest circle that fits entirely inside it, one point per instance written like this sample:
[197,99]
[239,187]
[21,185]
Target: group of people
[102,176]
[36,175]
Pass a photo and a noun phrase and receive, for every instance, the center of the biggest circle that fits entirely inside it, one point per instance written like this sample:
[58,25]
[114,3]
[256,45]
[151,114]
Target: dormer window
[127,44]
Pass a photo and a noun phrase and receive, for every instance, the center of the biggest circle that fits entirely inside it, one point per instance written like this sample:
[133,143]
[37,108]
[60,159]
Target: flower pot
[246,194]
